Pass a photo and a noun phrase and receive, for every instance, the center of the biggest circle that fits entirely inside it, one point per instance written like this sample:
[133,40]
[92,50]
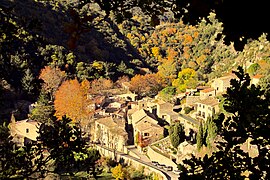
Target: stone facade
[24,131]
[221,84]
[165,112]
[111,133]
[207,108]
[206,93]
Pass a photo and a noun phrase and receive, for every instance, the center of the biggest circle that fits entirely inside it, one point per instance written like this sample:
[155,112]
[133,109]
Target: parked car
[155,163]
[168,168]
[176,171]
[161,165]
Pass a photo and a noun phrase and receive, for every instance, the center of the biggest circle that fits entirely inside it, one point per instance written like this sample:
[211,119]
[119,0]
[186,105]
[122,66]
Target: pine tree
[28,82]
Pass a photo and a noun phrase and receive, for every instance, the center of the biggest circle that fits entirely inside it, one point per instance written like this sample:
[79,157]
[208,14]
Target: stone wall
[161,159]
[122,157]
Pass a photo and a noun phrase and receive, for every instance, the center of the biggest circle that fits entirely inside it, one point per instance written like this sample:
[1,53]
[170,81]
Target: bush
[188,109]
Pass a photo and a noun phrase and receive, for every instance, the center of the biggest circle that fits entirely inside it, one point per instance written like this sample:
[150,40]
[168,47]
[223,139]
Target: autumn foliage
[71,100]
[52,77]
[100,84]
[146,85]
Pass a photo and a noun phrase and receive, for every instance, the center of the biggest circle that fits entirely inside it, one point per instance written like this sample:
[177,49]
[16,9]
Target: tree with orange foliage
[100,84]
[52,78]
[71,100]
[146,85]
[121,80]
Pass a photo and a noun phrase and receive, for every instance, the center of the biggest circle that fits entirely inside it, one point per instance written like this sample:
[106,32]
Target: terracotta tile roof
[166,106]
[109,121]
[207,90]
[257,76]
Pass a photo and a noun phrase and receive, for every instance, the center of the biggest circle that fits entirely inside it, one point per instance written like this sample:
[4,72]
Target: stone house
[146,133]
[144,127]
[207,108]
[206,93]
[141,115]
[255,79]
[24,131]
[165,112]
[110,132]
[221,84]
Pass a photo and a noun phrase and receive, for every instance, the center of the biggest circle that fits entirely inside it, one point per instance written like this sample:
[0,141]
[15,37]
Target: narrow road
[169,175]
[189,119]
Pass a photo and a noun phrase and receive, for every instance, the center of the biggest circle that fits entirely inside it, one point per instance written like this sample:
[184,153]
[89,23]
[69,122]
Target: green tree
[248,108]
[200,137]
[28,82]
[16,162]
[43,110]
[252,70]
[211,132]
[67,148]
[176,134]
[167,93]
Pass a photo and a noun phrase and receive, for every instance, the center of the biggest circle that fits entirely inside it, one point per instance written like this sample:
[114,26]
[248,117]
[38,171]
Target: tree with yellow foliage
[187,78]
[167,70]
[119,173]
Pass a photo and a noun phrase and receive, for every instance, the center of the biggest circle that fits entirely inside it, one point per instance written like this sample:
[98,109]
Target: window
[203,114]
[27,130]
[146,134]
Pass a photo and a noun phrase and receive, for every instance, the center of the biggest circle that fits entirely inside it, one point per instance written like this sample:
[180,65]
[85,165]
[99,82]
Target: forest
[55,52]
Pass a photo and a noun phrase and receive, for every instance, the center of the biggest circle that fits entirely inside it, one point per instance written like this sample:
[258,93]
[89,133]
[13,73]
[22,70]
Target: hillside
[36,34]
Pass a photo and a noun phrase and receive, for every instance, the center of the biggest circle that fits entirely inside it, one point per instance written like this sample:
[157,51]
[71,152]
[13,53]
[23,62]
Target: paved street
[147,162]
[189,119]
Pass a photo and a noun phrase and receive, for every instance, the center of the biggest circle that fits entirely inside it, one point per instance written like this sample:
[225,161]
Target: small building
[206,93]
[165,112]
[146,133]
[142,115]
[221,84]
[111,133]
[145,127]
[24,131]
[207,108]
[255,79]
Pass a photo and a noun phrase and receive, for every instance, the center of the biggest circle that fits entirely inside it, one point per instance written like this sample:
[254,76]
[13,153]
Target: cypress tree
[200,136]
